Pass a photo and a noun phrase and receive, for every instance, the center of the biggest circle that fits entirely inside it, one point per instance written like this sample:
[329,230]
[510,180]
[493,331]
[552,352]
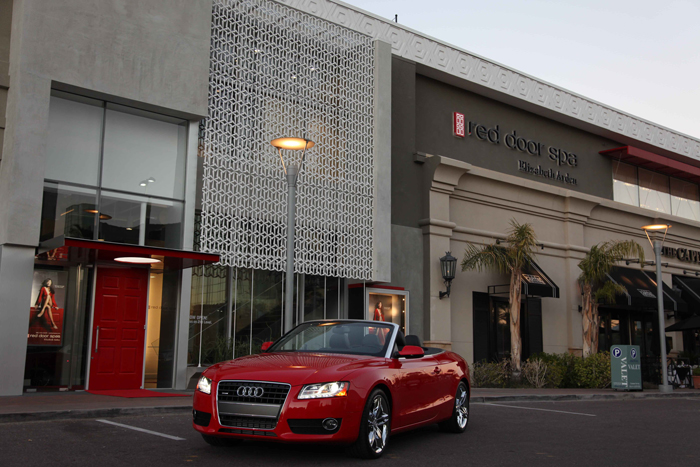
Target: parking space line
[543,410]
[142,430]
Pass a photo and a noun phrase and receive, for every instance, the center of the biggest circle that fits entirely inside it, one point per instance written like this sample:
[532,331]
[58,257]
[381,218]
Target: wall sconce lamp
[448,265]
[691,272]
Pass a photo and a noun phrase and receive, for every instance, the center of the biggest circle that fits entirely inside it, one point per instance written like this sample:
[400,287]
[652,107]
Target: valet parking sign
[625,367]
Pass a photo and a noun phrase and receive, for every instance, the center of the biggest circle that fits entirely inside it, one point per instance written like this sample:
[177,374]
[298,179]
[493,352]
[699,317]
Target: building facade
[148,139]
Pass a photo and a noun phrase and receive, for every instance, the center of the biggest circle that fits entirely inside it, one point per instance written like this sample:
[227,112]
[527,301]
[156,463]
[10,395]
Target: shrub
[535,371]
[593,371]
[696,371]
[556,368]
[490,374]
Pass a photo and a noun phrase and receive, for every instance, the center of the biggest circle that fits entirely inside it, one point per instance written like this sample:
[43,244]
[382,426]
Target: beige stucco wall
[470,204]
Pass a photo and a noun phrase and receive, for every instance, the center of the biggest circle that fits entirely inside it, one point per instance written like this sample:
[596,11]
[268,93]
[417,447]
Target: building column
[437,232]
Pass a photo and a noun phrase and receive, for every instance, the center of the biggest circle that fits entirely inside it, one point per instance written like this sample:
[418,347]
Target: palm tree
[596,286]
[512,258]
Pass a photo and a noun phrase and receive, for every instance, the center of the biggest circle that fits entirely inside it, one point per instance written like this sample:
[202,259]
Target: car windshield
[358,338]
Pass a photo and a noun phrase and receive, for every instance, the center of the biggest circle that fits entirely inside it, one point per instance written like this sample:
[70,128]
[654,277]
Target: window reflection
[68,211]
[140,221]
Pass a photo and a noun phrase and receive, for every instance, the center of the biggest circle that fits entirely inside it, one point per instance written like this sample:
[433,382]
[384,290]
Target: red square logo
[458,124]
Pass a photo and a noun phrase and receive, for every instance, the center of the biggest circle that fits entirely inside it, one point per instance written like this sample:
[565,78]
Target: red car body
[420,390]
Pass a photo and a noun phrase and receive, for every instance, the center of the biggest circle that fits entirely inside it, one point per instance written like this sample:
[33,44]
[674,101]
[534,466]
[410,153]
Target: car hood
[294,368]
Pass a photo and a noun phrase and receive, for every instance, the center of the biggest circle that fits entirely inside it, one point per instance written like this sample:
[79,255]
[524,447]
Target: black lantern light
[448,265]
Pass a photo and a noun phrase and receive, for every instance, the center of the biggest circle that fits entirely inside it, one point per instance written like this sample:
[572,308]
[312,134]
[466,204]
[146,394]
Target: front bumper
[301,413]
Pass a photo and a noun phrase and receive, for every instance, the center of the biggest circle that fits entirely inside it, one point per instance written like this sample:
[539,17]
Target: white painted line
[543,410]
[142,430]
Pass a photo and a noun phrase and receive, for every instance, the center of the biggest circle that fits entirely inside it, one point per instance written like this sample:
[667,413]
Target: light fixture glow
[657,227]
[95,211]
[294,144]
[136,260]
[143,183]
[151,180]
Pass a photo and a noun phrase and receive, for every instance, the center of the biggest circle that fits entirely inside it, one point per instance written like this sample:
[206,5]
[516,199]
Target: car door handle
[437,371]
[97,338]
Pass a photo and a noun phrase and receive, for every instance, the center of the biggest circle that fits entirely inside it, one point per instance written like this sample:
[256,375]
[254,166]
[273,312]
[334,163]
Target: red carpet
[132,393]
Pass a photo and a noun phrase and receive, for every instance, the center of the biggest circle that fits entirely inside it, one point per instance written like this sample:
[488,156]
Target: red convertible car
[345,382]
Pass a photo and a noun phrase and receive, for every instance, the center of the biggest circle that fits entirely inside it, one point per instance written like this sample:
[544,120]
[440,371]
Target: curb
[583,397]
[90,413]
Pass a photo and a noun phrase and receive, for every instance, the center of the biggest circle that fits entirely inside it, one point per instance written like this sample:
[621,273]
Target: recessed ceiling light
[151,180]
[129,228]
[136,260]
[143,183]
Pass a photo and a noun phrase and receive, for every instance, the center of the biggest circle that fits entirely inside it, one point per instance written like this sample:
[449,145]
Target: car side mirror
[411,351]
[266,345]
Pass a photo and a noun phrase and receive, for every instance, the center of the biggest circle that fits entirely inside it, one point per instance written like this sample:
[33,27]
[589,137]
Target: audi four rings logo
[250,391]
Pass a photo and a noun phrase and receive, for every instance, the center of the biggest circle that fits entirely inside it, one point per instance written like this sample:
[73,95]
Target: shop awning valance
[690,291]
[641,291]
[534,282]
[79,250]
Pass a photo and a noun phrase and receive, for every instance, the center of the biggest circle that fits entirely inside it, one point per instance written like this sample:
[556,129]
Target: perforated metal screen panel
[278,72]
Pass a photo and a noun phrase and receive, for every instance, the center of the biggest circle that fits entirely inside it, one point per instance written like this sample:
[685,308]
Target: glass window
[654,191]
[685,199]
[144,153]
[216,346]
[241,308]
[332,297]
[74,138]
[267,307]
[68,211]
[139,220]
[625,188]
[314,297]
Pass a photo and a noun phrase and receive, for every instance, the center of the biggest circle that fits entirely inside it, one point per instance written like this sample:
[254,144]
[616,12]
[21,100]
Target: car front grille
[274,393]
[248,411]
[248,422]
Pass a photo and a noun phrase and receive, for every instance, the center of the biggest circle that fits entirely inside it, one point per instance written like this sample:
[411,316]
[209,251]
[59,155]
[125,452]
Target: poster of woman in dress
[377,302]
[46,311]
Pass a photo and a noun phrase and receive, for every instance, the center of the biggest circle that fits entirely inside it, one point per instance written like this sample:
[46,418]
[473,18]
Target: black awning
[641,291]
[686,325]
[536,282]
[690,291]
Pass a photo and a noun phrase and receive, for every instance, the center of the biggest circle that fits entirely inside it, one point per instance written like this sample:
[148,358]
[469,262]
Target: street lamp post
[292,169]
[656,245]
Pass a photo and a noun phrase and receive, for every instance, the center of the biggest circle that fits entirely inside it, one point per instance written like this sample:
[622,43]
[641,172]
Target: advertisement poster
[47,308]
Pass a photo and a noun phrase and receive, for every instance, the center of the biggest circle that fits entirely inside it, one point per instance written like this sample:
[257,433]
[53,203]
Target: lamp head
[293,144]
[657,230]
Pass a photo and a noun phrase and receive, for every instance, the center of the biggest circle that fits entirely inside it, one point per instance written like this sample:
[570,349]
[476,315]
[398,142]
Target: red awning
[79,250]
[656,162]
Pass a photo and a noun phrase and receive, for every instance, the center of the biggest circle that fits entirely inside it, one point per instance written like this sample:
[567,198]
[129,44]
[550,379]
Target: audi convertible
[352,383]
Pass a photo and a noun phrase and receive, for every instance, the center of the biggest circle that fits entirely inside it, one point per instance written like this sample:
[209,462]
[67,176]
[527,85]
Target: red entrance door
[118,329]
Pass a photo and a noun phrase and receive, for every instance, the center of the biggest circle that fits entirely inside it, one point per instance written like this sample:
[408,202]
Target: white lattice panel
[428,51]
[276,71]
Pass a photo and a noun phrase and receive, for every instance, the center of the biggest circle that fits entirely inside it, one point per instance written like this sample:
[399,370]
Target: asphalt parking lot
[585,433]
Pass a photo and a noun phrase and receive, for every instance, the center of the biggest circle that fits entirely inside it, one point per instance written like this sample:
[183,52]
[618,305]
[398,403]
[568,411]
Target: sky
[639,56]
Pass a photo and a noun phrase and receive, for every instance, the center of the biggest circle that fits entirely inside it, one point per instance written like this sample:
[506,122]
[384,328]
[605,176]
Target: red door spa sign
[46,311]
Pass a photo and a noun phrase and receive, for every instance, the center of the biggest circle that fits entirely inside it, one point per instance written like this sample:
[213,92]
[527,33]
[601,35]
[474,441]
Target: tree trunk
[515,341]
[587,320]
[596,328]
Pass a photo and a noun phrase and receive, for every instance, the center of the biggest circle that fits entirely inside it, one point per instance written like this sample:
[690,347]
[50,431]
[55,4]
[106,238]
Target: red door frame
[117,350]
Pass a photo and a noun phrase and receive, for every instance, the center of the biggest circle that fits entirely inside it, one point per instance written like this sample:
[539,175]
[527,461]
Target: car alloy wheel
[459,420]
[378,424]
[375,427]
[462,407]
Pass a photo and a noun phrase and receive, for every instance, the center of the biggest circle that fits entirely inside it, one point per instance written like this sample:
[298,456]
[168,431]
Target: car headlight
[204,385]
[323,390]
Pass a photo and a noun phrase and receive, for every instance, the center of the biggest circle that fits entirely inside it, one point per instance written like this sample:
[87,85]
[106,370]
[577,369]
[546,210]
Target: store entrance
[118,327]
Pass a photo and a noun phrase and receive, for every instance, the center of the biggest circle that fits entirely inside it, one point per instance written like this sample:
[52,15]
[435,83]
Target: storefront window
[625,186]
[314,297]
[242,311]
[654,191]
[388,307]
[209,316]
[267,308]
[685,199]
[57,335]
[144,153]
[74,139]
[67,210]
[140,221]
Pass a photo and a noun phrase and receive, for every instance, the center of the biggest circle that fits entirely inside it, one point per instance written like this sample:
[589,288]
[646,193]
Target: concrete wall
[407,272]
[5,29]
[151,54]
[481,203]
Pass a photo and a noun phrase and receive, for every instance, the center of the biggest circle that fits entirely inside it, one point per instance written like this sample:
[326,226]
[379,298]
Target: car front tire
[219,442]
[459,420]
[374,427]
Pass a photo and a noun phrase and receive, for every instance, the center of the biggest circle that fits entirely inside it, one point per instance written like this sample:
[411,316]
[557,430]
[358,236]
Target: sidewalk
[75,405]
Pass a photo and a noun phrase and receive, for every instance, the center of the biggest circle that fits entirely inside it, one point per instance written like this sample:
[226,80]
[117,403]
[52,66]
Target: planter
[696,382]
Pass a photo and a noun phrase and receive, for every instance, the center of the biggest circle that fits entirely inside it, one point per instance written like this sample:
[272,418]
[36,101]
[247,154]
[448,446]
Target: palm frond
[609,291]
[522,242]
[491,257]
